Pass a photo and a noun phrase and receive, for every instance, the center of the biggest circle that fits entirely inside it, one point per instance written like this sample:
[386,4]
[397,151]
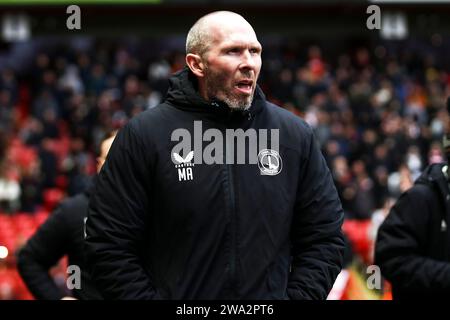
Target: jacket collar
[183,94]
[435,176]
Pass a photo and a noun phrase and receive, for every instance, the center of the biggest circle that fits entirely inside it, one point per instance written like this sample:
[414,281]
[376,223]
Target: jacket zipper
[232,228]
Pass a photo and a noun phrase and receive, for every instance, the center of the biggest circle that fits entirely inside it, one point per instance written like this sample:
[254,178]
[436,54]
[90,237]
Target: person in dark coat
[413,243]
[172,220]
[62,233]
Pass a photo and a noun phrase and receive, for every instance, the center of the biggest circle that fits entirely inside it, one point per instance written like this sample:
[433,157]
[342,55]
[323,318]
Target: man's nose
[248,60]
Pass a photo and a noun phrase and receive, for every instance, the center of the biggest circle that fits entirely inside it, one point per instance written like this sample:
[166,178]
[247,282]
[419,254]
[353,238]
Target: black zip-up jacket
[412,247]
[62,233]
[229,232]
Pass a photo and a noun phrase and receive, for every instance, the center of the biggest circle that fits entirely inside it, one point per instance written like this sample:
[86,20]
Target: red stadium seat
[52,197]
[40,217]
[358,233]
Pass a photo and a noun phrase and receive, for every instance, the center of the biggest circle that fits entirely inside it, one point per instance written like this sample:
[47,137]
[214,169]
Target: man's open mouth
[245,86]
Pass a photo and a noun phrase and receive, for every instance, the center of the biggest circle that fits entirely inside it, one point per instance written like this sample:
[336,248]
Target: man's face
[232,66]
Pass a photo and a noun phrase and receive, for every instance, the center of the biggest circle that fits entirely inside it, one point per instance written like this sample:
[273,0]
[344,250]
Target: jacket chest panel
[204,191]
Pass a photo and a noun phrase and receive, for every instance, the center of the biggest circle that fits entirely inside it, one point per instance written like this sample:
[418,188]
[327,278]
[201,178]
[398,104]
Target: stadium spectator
[413,241]
[62,233]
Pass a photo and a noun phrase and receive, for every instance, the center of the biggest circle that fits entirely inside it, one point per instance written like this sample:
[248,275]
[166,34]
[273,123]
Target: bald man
[216,193]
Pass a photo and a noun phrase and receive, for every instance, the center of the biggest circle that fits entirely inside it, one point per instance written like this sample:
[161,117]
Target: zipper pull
[443,226]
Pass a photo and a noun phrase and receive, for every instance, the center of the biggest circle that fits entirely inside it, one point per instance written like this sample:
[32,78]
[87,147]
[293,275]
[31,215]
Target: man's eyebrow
[242,45]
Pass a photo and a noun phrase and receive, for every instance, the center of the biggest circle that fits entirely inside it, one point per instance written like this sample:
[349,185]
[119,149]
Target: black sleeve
[117,221]
[399,246]
[42,251]
[317,240]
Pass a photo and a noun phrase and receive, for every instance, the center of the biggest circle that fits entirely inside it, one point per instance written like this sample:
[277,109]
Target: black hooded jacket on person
[61,234]
[412,247]
[226,232]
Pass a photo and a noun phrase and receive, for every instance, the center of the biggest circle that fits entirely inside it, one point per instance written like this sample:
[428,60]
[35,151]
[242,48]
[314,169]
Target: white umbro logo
[184,166]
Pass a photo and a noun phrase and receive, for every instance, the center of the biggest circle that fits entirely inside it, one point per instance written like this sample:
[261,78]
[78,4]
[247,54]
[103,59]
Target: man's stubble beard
[214,86]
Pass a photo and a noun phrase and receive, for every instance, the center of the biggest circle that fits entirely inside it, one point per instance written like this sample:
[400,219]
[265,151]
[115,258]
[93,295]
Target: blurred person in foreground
[62,233]
[413,243]
[270,229]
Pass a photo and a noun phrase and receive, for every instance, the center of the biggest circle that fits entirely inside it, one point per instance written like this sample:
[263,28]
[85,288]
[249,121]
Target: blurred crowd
[378,117]
[378,114]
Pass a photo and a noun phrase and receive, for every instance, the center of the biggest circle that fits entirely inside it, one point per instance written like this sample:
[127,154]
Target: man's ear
[194,62]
